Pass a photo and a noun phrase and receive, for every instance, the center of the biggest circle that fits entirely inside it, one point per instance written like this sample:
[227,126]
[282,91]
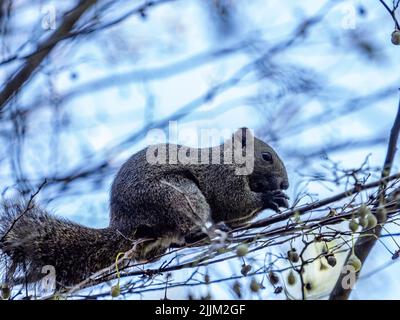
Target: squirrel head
[269,172]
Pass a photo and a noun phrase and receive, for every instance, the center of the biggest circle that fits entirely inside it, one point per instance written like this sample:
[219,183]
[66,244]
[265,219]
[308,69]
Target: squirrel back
[165,202]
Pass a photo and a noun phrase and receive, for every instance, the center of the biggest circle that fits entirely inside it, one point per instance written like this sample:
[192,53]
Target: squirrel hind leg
[182,211]
[188,207]
[174,208]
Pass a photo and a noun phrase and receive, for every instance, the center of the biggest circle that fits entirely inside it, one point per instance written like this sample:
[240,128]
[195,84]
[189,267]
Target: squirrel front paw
[275,200]
[218,229]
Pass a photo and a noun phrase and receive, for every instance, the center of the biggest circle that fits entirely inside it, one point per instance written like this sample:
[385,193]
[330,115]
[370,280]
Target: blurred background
[318,80]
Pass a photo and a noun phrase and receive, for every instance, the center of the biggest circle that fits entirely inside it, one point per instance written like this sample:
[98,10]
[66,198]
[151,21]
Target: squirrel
[165,202]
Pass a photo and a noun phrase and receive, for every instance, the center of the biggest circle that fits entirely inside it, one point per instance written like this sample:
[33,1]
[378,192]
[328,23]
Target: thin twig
[31,65]
[27,209]
[392,13]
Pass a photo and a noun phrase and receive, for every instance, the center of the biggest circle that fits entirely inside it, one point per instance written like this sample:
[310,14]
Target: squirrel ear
[242,135]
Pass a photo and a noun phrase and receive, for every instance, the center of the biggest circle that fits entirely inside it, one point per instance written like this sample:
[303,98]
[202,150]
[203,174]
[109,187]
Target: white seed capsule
[372,221]
[115,291]
[5,292]
[353,225]
[381,214]
[291,279]
[254,285]
[355,262]
[363,211]
[242,250]
[363,222]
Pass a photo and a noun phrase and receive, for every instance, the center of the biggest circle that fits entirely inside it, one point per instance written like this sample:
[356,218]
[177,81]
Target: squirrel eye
[267,156]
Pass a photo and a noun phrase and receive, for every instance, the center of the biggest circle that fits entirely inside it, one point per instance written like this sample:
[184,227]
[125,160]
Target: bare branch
[32,63]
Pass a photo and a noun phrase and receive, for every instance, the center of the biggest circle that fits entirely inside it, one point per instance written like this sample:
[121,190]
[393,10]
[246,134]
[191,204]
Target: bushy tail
[31,238]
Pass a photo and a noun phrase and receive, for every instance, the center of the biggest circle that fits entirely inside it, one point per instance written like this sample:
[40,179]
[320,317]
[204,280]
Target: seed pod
[353,225]
[207,278]
[5,292]
[355,262]
[245,269]
[396,37]
[242,250]
[291,279]
[293,256]
[381,214]
[278,290]
[237,288]
[254,285]
[332,261]
[372,221]
[363,222]
[115,291]
[363,211]
[273,278]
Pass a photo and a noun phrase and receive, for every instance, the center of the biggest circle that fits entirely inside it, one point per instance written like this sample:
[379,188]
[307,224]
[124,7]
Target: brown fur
[165,202]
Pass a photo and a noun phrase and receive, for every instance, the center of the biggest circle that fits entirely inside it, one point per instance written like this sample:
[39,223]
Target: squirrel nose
[284,185]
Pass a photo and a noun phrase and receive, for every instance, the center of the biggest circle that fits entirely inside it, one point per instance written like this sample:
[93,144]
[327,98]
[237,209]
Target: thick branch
[364,245]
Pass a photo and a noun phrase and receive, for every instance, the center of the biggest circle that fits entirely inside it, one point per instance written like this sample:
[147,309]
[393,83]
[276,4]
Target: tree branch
[318,204]
[392,13]
[364,245]
[32,63]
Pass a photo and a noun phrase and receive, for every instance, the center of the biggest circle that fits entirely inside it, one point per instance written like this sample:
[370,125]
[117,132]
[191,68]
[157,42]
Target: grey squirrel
[167,203]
